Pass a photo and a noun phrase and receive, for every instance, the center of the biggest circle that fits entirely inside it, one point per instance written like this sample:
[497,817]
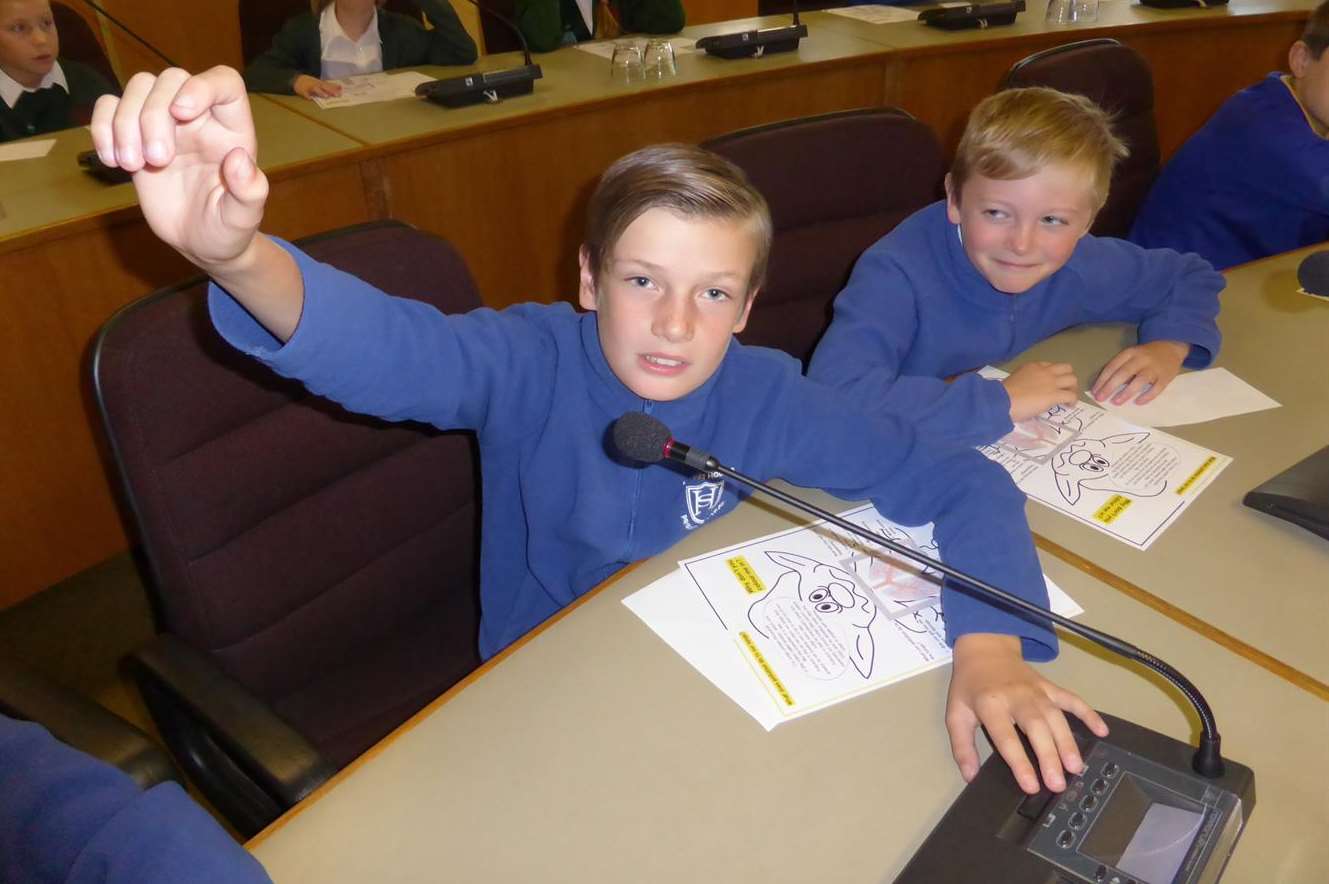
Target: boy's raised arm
[189,140]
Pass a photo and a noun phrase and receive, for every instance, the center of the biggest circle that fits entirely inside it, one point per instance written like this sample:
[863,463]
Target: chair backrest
[1119,79]
[498,36]
[79,42]
[835,184]
[260,20]
[283,533]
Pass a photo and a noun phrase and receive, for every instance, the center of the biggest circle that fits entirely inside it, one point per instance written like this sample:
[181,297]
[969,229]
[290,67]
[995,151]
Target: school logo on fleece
[704,494]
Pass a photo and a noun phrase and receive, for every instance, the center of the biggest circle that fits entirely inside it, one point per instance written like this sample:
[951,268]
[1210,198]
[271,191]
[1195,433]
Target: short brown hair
[1017,132]
[1316,35]
[684,179]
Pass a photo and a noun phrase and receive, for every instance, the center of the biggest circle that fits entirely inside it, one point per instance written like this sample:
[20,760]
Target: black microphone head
[1313,274]
[640,437]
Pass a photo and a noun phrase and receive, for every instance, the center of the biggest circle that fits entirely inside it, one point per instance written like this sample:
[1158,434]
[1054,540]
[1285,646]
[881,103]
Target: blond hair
[1316,35]
[1017,132]
[684,179]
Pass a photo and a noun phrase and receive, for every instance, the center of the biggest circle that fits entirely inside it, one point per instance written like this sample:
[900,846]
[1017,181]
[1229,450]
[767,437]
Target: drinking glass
[1064,12]
[625,63]
[658,59]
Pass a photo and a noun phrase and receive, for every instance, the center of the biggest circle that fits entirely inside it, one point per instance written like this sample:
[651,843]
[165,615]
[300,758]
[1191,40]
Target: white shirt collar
[334,38]
[11,90]
[587,9]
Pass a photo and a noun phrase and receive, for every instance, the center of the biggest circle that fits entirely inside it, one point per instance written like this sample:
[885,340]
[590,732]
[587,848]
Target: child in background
[341,38]
[1004,262]
[674,253]
[1254,181]
[39,93]
[549,24]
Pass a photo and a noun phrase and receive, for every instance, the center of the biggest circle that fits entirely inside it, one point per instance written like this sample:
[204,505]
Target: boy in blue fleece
[1003,263]
[1254,181]
[675,249]
[68,818]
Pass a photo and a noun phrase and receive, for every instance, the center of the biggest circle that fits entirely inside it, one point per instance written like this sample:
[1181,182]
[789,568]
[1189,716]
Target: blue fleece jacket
[1253,182]
[560,514]
[917,311]
[67,818]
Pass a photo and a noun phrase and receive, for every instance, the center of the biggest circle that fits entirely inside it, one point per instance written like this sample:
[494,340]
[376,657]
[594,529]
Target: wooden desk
[1263,581]
[507,184]
[594,753]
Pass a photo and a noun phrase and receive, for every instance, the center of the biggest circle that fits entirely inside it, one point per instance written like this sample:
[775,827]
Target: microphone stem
[1208,760]
[124,27]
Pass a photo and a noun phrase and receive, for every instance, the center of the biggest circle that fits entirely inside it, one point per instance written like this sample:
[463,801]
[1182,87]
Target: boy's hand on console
[1037,386]
[1144,367]
[190,142]
[992,686]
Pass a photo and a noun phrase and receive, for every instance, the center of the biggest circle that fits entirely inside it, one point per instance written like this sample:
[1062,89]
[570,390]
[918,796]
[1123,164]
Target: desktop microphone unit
[488,87]
[757,42]
[1146,808]
[959,16]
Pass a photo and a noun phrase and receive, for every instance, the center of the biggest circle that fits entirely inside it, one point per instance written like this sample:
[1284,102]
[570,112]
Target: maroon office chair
[835,184]
[260,20]
[314,573]
[79,42]
[1119,79]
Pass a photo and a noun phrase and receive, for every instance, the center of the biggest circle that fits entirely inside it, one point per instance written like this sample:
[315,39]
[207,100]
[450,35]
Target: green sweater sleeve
[295,50]
[541,23]
[651,16]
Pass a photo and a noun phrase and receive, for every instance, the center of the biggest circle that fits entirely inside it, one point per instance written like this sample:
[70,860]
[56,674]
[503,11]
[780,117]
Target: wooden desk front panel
[513,200]
[57,511]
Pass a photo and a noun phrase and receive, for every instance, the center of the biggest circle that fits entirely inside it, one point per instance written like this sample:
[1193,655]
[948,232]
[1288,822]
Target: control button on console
[1100,874]
[1066,838]
[1076,821]
[1089,802]
[1111,769]
[1098,787]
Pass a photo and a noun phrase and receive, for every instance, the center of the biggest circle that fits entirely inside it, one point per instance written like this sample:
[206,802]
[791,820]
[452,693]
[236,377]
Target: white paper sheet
[26,150]
[370,88]
[875,14]
[1194,397]
[799,620]
[605,48]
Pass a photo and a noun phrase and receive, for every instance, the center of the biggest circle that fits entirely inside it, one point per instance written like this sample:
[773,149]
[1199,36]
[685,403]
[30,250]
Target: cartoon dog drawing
[813,595]
[1087,463]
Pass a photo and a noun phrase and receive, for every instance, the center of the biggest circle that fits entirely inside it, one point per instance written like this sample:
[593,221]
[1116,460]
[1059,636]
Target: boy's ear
[952,200]
[585,280]
[747,308]
[1297,57]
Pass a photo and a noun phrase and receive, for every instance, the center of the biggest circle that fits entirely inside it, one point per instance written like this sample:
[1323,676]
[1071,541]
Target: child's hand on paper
[992,686]
[190,142]
[312,87]
[1037,386]
[1144,367]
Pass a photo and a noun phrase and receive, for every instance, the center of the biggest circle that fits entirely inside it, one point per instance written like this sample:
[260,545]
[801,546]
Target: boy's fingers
[156,124]
[246,191]
[125,126]
[1067,749]
[220,90]
[1075,704]
[963,748]
[1001,730]
[103,136]
[1101,387]
[1046,750]
[1133,388]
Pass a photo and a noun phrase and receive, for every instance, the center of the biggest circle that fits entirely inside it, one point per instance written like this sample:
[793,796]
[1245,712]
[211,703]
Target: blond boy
[1004,262]
[674,256]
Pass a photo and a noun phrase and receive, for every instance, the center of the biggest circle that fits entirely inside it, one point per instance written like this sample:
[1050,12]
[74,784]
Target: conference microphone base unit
[961,16]
[490,87]
[753,44]
[1138,814]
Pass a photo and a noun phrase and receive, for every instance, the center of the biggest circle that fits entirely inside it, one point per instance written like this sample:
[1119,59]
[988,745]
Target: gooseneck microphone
[490,86]
[1313,275]
[757,42]
[124,27]
[644,439]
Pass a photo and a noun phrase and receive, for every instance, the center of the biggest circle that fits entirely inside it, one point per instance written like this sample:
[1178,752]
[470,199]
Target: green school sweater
[53,109]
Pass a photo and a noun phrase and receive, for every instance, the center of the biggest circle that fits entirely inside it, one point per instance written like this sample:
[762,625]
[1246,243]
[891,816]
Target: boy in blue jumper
[1004,262]
[69,818]
[1254,181]
[675,249]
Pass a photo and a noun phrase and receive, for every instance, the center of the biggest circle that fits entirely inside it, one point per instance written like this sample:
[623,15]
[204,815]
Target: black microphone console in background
[959,16]
[1147,809]
[755,43]
[1313,274]
[491,86]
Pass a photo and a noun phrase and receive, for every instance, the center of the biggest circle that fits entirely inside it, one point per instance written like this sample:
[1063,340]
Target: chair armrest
[76,721]
[249,762]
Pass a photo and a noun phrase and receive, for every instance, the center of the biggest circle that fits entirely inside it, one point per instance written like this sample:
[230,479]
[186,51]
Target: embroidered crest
[705,498]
